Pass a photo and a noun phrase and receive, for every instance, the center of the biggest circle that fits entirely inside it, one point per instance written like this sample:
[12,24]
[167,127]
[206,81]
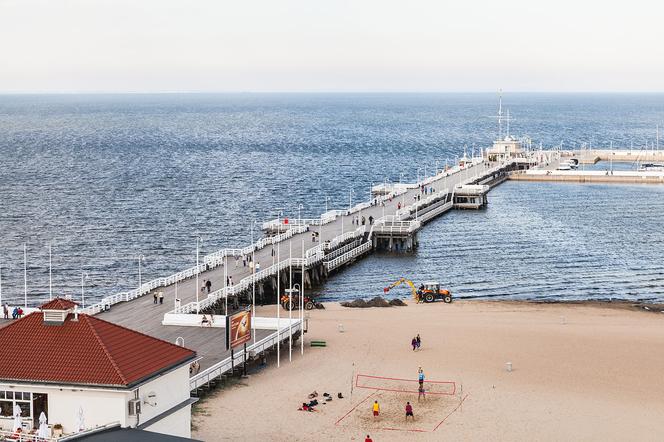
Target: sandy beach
[579,372]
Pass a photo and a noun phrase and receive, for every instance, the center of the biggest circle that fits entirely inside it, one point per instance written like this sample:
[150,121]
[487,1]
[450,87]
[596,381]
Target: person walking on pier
[364,220]
[251,267]
[161,297]
[237,261]
[154,298]
[208,285]
[5,310]
[258,267]
[244,261]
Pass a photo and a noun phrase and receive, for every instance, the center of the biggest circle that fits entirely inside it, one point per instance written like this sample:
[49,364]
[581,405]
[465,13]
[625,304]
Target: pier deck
[143,315]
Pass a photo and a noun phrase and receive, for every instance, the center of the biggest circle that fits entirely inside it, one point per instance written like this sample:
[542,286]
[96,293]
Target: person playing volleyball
[376,409]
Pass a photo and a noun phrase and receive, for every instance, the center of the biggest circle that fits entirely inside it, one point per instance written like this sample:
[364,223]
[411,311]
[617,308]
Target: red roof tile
[59,304]
[89,351]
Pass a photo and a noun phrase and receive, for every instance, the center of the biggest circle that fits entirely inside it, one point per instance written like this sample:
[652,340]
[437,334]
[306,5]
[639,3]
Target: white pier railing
[237,359]
[209,261]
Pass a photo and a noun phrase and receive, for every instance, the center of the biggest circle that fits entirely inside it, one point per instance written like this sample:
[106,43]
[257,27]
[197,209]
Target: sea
[102,180]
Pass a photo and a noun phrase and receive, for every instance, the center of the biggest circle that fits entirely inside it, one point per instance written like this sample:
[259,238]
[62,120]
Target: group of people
[158,297]
[362,221]
[17,312]
[416,342]
[409,410]
[427,190]
[205,322]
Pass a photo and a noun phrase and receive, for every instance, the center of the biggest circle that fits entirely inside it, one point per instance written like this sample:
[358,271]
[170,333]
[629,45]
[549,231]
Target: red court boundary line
[414,430]
[353,409]
[451,412]
[357,380]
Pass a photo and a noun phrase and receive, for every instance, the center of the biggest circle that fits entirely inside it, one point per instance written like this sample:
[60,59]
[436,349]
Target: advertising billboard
[238,328]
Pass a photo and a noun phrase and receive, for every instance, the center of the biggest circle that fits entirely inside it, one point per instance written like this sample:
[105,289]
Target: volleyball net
[382,383]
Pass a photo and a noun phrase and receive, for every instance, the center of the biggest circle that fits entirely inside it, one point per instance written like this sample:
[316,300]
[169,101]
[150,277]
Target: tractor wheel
[429,298]
[309,305]
[447,299]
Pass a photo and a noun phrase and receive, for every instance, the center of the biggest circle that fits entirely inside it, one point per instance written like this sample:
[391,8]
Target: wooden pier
[302,251]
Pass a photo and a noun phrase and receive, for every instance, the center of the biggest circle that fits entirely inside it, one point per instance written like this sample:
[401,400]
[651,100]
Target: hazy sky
[326,45]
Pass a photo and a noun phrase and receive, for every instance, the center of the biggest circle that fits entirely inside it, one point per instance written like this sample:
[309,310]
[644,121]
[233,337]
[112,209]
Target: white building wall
[169,390]
[176,424]
[99,407]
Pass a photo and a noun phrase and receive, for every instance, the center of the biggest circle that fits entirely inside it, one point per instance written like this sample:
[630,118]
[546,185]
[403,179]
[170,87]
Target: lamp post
[199,240]
[25,275]
[321,224]
[253,280]
[140,283]
[84,276]
[50,274]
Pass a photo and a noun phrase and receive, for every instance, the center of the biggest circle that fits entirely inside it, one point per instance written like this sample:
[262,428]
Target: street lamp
[199,240]
[322,241]
[253,277]
[299,207]
[84,276]
[140,258]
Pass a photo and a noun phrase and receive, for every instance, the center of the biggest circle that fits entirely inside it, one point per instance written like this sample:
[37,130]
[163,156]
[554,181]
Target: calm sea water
[105,178]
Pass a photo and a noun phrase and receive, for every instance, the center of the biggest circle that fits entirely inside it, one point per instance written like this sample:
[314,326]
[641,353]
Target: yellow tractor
[428,292]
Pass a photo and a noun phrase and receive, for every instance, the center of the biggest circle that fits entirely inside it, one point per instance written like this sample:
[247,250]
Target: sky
[330,46]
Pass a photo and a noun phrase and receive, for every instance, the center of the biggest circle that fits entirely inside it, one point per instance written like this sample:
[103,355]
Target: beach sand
[580,372]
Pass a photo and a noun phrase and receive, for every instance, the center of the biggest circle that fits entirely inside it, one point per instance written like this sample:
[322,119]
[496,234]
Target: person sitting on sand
[409,411]
[376,409]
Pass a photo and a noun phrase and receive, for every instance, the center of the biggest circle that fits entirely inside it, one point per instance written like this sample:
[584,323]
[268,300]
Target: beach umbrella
[17,418]
[43,426]
[80,420]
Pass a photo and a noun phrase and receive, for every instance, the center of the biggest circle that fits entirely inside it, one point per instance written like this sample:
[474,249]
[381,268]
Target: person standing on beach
[376,409]
[368,439]
[420,376]
[409,411]
[419,341]
[413,342]
[420,393]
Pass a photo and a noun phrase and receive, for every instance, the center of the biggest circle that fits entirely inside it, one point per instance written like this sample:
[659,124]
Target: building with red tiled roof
[58,360]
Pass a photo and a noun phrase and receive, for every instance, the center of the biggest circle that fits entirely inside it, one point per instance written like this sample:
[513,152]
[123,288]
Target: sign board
[238,328]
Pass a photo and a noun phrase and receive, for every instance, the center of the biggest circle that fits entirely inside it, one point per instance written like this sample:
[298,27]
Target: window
[9,398]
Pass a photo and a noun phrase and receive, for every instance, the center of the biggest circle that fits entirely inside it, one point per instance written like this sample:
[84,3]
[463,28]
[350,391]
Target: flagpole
[302,301]
[50,275]
[25,274]
[278,305]
[225,286]
[290,302]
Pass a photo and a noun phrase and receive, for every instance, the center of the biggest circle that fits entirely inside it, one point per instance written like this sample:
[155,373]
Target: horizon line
[325,92]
